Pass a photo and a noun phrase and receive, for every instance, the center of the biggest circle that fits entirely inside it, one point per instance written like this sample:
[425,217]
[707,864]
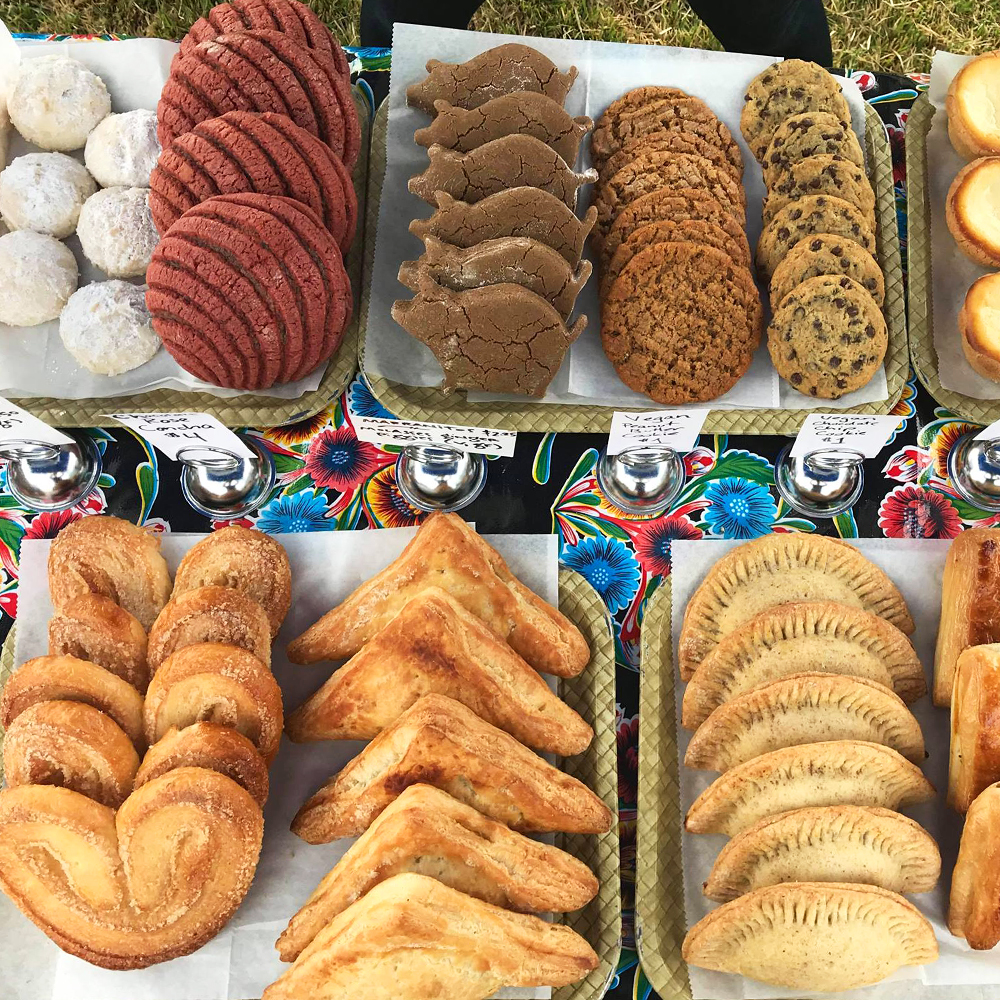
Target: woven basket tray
[592,694]
[245,410]
[431,404]
[921,303]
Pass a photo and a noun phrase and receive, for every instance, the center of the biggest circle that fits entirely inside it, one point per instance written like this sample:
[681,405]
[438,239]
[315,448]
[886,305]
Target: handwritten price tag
[848,431]
[170,432]
[18,425]
[481,440]
[677,429]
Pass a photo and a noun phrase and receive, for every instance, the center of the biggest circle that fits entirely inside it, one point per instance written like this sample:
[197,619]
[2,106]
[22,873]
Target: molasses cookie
[825,253]
[823,174]
[814,133]
[827,337]
[668,141]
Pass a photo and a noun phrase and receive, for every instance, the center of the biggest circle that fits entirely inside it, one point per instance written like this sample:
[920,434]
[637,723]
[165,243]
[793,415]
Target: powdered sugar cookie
[44,192]
[123,149]
[40,274]
[116,231]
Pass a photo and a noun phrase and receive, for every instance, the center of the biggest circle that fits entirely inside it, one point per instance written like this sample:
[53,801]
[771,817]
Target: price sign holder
[974,467]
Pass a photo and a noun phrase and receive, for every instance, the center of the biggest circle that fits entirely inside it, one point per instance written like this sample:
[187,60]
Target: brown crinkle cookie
[813,133]
[670,141]
[827,254]
[823,174]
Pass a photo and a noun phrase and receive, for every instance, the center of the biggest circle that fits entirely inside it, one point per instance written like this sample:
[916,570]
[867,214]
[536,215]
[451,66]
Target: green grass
[898,35]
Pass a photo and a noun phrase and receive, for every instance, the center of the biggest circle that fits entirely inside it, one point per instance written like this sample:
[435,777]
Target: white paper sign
[990,433]
[482,440]
[173,432]
[19,425]
[861,432]
[677,429]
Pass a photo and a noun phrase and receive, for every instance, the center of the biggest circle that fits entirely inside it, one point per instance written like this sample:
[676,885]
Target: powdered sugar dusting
[44,192]
[123,149]
[116,231]
[38,275]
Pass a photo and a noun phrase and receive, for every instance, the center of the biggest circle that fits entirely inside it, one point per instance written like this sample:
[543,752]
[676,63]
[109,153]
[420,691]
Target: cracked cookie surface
[813,133]
[670,141]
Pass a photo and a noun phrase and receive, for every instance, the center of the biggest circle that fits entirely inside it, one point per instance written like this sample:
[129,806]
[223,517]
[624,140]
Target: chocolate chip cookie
[831,255]
[670,141]
[827,337]
[823,174]
[813,133]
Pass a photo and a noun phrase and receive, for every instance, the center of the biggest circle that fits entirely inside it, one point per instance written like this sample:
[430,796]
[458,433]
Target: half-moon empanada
[804,708]
[842,772]
[813,936]
[863,844]
[778,569]
[440,742]
[793,638]
[427,831]
[413,936]
[435,646]
[975,738]
[974,909]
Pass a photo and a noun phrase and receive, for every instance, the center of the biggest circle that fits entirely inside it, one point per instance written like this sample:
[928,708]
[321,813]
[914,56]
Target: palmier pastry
[109,556]
[413,936]
[210,746]
[974,909]
[471,853]
[243,559]
[210,614]
[211,682]
[446,552]
[779,569]
[73,745]
[153,882]
[92,627]
[970,605]
[435,646]
[65,678]
[813,936]
[975,740]
[441,742]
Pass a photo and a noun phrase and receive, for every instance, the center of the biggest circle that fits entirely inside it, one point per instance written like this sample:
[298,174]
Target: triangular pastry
[778,569]
[414,937]
[813,936]
[447,553]
[863,844]
[804,708]
[442,743]
[974,760]
[974,908]
[427,831]
[794,638]
[435,646]
[814,774]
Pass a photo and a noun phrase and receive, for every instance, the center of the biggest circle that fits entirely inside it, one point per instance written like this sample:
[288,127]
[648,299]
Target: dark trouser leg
[795,29]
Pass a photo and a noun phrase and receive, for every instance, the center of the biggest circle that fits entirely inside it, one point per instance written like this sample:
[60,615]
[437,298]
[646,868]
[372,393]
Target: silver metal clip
[823,483]
[974,469]
[223,485]
[437,478]
[642,480]
[49,477]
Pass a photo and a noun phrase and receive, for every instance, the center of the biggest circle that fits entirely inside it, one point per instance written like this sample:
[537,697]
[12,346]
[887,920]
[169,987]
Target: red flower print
[627,736]
[914,512]
[49,523]
[652,541]
[339,460]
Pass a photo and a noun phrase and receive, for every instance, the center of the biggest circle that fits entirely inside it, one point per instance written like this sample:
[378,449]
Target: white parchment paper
[916,567]
[951,271]
[33,360]
[607,70]
[241,961]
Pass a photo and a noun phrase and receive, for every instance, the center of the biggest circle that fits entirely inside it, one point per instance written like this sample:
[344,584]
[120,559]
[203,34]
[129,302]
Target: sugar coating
[44,192]
[116,231]
[57,102]
[106,326]
[123,149]
[5,131]
[38,274]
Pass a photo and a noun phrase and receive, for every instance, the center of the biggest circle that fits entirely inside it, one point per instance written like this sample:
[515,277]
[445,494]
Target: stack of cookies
[827,336]
[680,313]
[501,268]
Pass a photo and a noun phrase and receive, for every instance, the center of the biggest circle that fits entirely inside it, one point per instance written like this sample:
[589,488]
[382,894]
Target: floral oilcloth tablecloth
[327,480]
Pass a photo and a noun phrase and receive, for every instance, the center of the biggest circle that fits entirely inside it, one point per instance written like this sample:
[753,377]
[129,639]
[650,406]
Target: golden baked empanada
[813,936]
[975,737]
[435,646]
[813,774]
[778,569]
[794,638]
[440,742]
[414,937]
[804,708]
[863,844]
[427,831]
[974,908]
[447,553]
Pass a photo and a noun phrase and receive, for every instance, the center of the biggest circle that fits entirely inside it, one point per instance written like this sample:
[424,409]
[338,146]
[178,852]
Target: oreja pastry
[970,611]
[447,553]
[861,844]
[108,556]
[434,645]
[978,325]
[413,936]
[470,853]
[973,911]
[813,936]
[779,569]
[804,708]
[244,559]
[971,106]
[975,742]
[210,614]
[972,211]
[441,742]
[842,772]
